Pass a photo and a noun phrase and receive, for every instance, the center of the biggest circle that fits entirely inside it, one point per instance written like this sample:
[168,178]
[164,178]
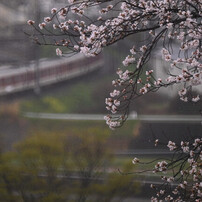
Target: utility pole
[37,88]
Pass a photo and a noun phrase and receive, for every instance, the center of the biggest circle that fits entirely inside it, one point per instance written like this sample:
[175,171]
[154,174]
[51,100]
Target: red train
[48,72]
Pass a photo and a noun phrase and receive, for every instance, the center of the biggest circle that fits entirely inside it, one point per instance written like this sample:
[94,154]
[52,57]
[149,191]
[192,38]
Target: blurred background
[47,156]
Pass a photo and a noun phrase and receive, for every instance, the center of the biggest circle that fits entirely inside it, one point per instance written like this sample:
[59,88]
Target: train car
[46,72]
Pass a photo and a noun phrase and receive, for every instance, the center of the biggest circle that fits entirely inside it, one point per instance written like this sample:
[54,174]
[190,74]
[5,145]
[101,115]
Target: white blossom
[30,22]
[128,60]
[42,25]
[53,10]
[58,52]
[171,145]
[47,19]
[135,160]
[196,99]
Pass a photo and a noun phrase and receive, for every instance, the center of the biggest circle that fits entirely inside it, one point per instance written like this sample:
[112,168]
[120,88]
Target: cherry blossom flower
[128,60]
[30,22]
[156,142]
[171,145]
[42,25]
[196,99]
[53,10]
[135,160]
[47,19]
[115,93]
[58,52]
[182,92]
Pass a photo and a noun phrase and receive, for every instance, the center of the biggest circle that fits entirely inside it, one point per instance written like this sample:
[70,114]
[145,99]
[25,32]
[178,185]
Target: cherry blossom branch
[172,26]
[184,184]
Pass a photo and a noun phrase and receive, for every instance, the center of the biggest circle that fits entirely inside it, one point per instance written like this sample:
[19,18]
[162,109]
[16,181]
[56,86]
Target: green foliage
[83,97]
[54,104]
[49,166]
[47,51]
[118,185]
[45,104]
[76,99]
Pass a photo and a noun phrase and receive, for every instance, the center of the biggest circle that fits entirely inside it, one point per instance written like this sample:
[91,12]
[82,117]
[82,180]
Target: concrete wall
[10,16]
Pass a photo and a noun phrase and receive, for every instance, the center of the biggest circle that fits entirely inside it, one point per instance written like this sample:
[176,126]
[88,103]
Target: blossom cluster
[182,181]
[161,166]
[173,27]
[185,183]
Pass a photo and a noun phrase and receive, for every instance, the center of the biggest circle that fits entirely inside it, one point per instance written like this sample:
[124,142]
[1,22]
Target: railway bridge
[46,72]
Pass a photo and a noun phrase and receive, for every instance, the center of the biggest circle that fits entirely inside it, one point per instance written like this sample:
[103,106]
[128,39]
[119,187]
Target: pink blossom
[135,160]
[47,19]
[196,99]
[53,10]
[171,145]
[30,22]
[42,25]
[58,52]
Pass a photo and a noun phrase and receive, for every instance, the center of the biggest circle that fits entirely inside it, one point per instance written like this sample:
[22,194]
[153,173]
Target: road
[144,152]
[100,117]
